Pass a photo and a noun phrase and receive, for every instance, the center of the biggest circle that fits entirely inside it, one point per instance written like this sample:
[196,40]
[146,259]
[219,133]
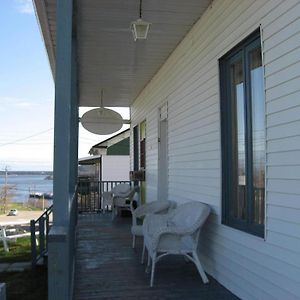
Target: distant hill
[27,173]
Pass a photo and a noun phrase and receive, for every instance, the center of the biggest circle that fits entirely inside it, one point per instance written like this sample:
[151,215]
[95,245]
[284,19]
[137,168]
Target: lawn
[18,206]
[18,251]
[27,285]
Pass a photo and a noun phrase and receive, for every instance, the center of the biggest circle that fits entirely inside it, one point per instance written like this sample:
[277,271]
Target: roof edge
[42,18]
[98,145]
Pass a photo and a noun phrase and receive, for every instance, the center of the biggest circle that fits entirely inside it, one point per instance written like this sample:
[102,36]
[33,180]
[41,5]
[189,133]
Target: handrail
[47,212]
[43,229]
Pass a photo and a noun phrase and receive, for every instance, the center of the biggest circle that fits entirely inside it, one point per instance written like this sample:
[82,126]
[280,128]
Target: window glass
[258,134]
[237,82]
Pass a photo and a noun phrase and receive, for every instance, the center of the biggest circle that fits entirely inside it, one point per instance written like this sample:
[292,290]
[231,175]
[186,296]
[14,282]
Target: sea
[23,184]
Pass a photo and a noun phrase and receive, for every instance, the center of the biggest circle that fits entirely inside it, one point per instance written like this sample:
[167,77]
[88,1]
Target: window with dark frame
[135,148]
[243,136]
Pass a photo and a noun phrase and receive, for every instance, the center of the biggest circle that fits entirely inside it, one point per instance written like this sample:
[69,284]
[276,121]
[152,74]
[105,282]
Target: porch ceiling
[108,58]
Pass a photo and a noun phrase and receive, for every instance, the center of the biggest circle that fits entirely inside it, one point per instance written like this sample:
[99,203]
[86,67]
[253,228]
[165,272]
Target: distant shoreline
[27,173]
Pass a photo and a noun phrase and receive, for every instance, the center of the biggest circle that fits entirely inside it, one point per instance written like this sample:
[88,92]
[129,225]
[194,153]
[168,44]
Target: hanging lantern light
[139,27]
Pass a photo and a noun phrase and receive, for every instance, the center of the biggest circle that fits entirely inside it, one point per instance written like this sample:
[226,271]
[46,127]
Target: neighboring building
[115,145]
[89,167]
[216,120]
[105,167]
[109,160]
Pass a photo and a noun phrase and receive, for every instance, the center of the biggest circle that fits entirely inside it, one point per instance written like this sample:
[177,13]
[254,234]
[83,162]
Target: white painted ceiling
[108,57]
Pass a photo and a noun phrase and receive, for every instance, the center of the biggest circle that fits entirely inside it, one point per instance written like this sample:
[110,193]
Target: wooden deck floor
[108,268]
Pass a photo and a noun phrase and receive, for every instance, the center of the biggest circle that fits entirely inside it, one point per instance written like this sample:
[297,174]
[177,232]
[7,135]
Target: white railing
[90,193]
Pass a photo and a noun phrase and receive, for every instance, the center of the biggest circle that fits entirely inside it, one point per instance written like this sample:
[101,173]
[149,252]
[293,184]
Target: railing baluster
[100,195]
[47,230]
[42,236]
[33,243]
[43,228]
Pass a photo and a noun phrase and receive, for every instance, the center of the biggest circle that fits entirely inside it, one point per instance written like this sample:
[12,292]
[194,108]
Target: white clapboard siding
[251,267]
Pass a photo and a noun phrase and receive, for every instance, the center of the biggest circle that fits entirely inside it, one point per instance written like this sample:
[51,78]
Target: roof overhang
[113,140]
[108,57]
[90,160]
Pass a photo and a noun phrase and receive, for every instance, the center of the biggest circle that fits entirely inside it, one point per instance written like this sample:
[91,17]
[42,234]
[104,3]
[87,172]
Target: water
[22,184]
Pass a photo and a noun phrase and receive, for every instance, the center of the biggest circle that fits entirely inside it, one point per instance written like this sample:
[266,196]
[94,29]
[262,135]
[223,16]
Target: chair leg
[112,213]
[143,253]
[200,268]
[133,241]
[148,262]
[153,269]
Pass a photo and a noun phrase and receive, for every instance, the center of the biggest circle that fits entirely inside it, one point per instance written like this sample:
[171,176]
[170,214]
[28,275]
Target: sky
[27,93]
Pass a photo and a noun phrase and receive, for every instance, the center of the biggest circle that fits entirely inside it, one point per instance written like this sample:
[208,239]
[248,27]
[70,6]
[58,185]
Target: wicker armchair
[122,197]
[154,207]
[175,233]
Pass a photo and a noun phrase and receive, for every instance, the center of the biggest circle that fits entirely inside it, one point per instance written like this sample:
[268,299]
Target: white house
[214,94]
[109,160]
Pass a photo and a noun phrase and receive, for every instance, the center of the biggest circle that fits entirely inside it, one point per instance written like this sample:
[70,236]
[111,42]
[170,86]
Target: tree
[6,193]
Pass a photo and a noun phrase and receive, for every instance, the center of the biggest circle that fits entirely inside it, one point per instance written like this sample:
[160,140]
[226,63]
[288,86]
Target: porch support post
[65,138]
[62,234]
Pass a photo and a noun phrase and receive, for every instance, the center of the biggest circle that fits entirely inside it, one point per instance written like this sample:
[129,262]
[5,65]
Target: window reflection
[237,79]
[258,134]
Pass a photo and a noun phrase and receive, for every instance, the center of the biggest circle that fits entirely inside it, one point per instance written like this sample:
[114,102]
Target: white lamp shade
[140,29]
[102,121]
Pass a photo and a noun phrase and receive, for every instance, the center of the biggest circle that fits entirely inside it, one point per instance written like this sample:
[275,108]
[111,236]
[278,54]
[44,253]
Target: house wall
[251,267]
[115,167]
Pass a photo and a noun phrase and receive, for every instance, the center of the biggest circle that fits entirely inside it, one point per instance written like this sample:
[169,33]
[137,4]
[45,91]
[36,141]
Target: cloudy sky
[27,93]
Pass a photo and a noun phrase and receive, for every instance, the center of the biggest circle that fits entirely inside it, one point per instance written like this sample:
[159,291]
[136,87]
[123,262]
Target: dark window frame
[135,148]
[228,129]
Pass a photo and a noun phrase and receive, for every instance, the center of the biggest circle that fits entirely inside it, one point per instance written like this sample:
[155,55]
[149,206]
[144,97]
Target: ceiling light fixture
[139,27]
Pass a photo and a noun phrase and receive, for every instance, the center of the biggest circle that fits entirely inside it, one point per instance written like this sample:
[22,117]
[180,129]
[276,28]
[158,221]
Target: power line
[26,138]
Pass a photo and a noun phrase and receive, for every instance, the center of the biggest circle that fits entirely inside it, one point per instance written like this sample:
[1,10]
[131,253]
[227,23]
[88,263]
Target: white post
[3,238]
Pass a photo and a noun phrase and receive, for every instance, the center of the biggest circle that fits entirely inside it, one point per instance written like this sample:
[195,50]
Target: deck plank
[108,268]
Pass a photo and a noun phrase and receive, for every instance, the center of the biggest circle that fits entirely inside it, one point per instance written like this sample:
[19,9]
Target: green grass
[22,206]
[18,251]
[27,285]
[18,206]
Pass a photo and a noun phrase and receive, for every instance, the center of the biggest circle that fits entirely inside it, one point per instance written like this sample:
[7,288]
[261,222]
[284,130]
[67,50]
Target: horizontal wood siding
[251,267]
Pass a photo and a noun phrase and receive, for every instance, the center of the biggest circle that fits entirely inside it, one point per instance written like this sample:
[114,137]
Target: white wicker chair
[175,233]
[154,207]
[122,197]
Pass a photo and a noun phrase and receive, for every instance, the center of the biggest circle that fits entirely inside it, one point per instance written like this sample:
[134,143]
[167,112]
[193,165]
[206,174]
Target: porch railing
[90,193]
[40,228]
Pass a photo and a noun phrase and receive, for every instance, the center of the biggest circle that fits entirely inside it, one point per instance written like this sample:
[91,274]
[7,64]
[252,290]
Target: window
[243,136]
[135,148]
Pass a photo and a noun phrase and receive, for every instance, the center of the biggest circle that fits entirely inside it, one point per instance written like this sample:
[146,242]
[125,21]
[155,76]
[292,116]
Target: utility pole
[5,189]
